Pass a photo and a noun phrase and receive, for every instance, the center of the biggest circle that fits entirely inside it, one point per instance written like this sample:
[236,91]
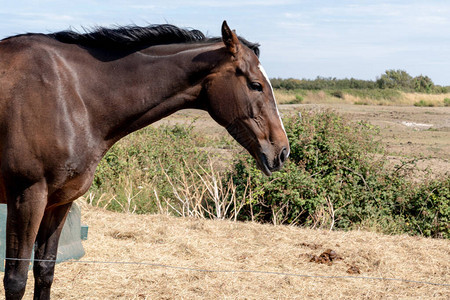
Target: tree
[423,84]
[395,79]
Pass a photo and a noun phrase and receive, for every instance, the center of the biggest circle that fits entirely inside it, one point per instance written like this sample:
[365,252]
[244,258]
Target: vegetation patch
[135,174]
[390,80]
[391,95]
[424,103]
[394,87]
[447,102]
[337,177]
[297,100]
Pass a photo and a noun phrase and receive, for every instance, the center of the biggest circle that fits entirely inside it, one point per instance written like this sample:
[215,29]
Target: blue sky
[300,39]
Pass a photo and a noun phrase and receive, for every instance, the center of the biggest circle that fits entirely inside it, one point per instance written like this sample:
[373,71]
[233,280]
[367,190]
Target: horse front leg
[25,207]
[46,249]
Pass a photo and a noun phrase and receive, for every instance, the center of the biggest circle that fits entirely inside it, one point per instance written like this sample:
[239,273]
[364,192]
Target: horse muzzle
[271,163]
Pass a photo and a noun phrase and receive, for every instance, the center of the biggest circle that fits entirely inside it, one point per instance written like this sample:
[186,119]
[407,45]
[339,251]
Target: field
[155,240]
[269,262]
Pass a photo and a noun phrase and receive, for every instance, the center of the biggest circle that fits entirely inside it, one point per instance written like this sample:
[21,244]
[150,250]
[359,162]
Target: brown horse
[66,98]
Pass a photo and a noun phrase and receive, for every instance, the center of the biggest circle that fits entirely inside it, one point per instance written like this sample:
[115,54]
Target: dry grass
[286,97]
[437,100]
[406,99]
[320,97]
[226,245]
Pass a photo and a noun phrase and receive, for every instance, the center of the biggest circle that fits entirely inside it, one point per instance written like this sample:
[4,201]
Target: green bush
[447,102]
[395,79]
[298,100]
[423,84]
[138,166]
[398,80]
[336,176]
[427,211]
[423,103]
[338,94]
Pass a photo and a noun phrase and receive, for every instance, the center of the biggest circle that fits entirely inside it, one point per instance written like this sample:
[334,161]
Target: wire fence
[156,265]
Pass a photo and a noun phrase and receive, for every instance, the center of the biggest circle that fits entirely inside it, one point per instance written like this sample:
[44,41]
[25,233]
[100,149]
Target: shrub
[298,100]
[423,103]
[398,80]
[336,176]
[327,154]
[447,102]
[338,94]
[427,211]
[395,79]
[423,84]
[134,169]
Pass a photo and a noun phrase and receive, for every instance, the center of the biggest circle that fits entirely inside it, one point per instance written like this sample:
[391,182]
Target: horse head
[240,98]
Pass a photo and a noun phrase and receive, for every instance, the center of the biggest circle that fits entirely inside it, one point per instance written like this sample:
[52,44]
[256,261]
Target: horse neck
[154,83]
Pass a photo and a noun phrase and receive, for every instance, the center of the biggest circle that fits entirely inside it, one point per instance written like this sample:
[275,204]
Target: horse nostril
[283,155]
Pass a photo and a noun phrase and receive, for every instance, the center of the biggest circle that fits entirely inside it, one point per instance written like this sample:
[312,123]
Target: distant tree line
[391,79]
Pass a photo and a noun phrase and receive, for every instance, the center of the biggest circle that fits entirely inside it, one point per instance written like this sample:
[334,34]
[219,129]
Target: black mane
[135,37]
[129,36]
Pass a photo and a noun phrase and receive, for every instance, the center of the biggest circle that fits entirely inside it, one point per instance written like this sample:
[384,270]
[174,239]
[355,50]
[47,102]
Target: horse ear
[230,39]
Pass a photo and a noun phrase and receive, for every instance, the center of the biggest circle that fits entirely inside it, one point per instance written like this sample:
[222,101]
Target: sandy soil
[244,247]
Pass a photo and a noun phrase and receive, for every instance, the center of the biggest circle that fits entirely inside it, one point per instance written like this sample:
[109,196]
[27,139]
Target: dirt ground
[407,130]
[300,263]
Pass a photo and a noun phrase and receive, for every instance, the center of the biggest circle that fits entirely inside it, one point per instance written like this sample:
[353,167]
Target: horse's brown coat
[62,106]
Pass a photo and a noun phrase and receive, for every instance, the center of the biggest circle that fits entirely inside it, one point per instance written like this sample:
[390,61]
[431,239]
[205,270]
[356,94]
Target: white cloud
[329,37]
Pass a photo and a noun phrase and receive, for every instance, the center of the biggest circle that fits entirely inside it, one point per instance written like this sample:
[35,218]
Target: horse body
[86,110]
[64,104]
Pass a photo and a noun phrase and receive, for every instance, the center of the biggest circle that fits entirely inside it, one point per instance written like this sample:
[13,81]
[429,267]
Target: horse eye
[256,86]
